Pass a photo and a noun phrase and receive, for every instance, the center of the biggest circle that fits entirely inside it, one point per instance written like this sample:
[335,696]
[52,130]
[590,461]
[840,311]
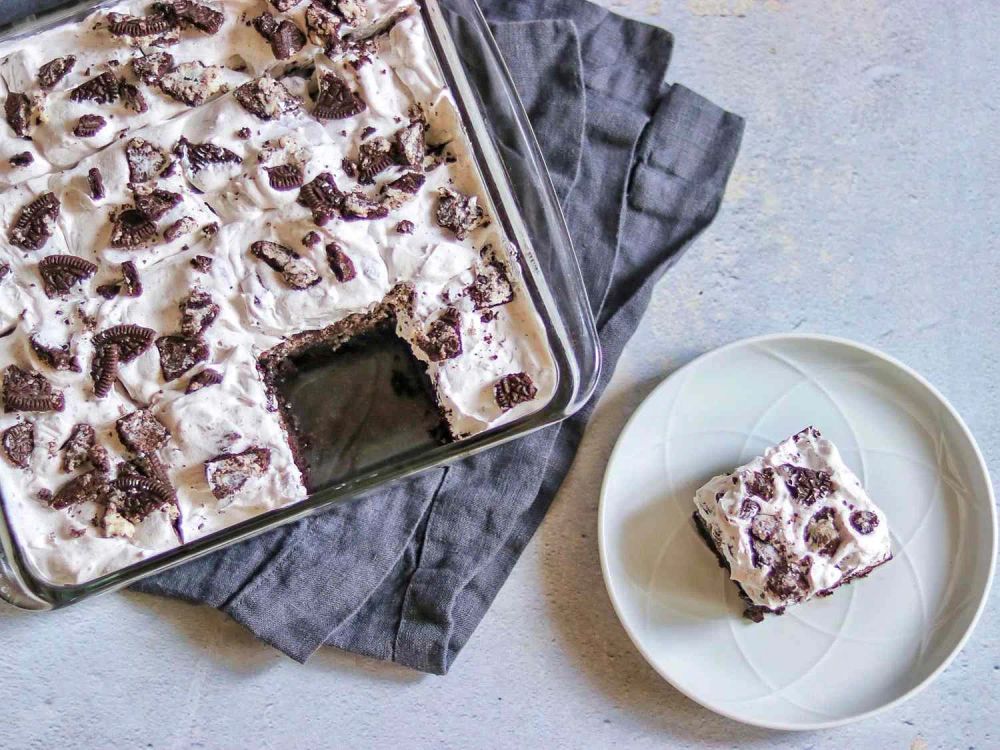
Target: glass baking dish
[525,203]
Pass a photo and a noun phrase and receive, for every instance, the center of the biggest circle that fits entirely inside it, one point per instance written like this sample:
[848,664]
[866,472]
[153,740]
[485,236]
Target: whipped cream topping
[794,523]
[179,192]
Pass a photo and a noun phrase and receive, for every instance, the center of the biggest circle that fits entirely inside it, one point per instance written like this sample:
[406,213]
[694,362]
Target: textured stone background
[861,207]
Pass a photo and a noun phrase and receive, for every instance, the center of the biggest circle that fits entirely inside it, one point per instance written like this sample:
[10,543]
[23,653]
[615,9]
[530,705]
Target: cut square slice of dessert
[792,524]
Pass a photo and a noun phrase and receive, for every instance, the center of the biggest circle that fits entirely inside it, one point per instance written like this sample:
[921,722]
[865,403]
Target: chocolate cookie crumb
[18,442]
[513,389]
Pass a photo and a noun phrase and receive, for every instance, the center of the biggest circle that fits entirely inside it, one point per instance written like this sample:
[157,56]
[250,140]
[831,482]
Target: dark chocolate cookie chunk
[95,181]
[357,206]
[323,28]
[513,389]
[409,146]
[340,262]
[184,225]
[18,442]
[321,196]
[202,263]
[131,228]
[864,521]
[89,125]
[806,485]
[34,223]
[284,36]
[60,273]
[133,99]
[135,498]
[203,379]
[405,227]
[189,13]
[91,487]
[52,72]
[374,157]
[155,203]
[17,111]
[141,432]
[29,391]
[459,213]
[228,473]
[151,68]
[201,156]
[443,339]
[822,535]
[401,190]
[104,368]
[335,100]
[145,160]
[297,273]
[266,98]
[23,159]
[491,287]
[193,83]
[788,580]
[178,354]
[139,27]
[285,177]
[78,447]
[760,483]
[198,312]
[59,358]
[131,283]
[132,340]
[101,89]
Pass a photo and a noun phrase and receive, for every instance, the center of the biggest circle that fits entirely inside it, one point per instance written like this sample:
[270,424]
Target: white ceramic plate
[874,643]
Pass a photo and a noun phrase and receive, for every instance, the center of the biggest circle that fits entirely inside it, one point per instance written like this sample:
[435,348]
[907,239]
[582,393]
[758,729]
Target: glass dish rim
[578,370]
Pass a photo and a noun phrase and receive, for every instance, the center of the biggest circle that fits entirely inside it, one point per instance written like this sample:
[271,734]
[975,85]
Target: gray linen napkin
[406,573]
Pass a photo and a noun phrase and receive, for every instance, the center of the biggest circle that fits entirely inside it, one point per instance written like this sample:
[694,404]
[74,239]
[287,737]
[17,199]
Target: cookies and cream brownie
[210,190]
[792,524]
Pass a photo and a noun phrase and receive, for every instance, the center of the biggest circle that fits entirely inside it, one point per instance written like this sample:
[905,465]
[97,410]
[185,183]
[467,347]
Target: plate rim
[977,452]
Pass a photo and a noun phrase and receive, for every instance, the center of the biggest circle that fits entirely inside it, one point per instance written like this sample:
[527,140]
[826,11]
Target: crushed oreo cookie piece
[102,89]
[140,27]
[374,157]
[297,273]
[151,68]
[228,473]
[203,379]
[266,98]
[189,13]
[491,286]
[513,389]
[459,213]
[311,239]
[335,99]
[788,580]
[104,368]
[34,223]
[60,273]
[95,181]
[184,225]
[321,196]
[17,111]
[340,262]
[23,159]
[323,28]
[18,442]
[133,98]
[443,339]
[821,533]
[243,134]
[285,177]
[91,487]
[89,125]
[284,36]
[198,312]
[78,447]
[378,27]
[59,358]
[864,521]
[129,286]
[131,228]
[178,354]
[202,263]
[145,160]
[405,227]
[210,230]
[193,83]
[131,340]
[806,485]
[357,206]
[133,500]
[155,203]
[204,155]
[52,72]
[29,391]
[409,146]
[141,432]
[401,190]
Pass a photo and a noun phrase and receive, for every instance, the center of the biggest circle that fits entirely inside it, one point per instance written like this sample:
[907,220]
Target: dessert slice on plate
[792,525]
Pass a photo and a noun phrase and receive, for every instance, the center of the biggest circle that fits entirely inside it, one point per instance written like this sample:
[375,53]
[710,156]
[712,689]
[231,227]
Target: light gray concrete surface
[864,204]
